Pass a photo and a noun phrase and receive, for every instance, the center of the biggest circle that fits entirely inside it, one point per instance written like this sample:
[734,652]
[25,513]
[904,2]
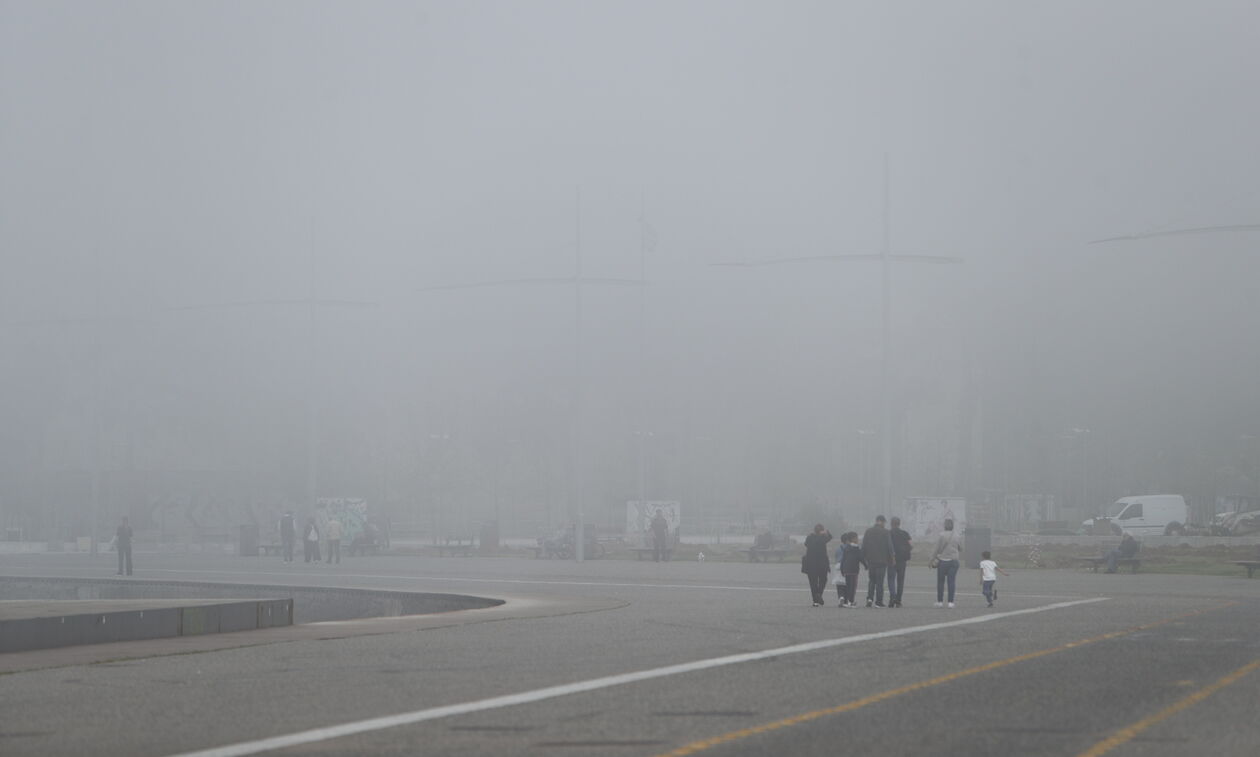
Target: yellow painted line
[743,733]
[1127,734]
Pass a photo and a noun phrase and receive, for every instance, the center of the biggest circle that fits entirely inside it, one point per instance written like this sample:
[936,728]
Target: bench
[270,550]
[1251,565]
[765,553]
[650,552]
[1096,562]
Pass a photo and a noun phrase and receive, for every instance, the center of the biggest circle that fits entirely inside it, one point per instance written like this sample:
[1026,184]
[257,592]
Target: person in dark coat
[816,564]
[897,572]
[877,552]
[850,563]
[122,542]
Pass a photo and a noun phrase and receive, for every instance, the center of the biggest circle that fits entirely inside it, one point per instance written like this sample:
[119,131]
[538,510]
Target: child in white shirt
[988,577]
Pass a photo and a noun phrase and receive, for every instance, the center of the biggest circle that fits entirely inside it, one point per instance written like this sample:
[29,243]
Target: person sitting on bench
[1126,551]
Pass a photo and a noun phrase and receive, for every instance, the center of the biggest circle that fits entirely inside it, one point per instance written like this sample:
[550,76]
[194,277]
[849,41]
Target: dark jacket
[1128,547]
[877,546]
[851,561]
[901,544]
[123,536]
[287,528]
[816,554]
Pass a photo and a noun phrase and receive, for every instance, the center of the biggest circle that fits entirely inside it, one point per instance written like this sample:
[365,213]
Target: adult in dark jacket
[877,552]
[816,564]
[897,572]
[1126,551]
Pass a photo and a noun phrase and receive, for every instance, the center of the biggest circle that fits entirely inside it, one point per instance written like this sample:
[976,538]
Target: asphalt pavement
[641,658]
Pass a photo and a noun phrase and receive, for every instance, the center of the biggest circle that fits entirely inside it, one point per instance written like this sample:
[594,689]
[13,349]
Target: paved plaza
[640,658]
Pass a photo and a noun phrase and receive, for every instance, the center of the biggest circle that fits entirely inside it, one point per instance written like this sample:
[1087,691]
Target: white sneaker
[938,604]
[951,605]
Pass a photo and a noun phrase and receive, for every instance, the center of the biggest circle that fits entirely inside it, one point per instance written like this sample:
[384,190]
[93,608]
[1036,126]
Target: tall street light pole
[95,400]
[647,241]
[579,281]
[1182,232]
[311,304]
[886,258]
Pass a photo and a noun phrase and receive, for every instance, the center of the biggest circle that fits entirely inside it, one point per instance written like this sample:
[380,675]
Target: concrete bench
[763,554]
[270,550]
[462,549]
[650,552]
[1251,565]
[1096,562]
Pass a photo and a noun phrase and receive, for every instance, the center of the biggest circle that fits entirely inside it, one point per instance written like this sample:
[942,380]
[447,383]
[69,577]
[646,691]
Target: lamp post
[95,421]
[579,281]
[1184,232]
[311,304]
[886,258]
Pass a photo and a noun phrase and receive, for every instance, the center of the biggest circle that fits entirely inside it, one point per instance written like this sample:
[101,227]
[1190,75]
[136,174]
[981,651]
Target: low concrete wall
[311,604]
[24,634]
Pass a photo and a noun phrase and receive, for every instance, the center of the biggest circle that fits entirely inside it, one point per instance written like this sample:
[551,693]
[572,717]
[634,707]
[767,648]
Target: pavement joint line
[1127,733]
[743,733]
[460,579]
[550,692]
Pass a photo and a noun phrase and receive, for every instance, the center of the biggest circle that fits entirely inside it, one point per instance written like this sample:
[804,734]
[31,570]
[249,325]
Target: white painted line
[528,582]
[551,692]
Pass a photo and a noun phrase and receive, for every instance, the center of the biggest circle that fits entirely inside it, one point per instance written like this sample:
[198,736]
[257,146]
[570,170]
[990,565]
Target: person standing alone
[815,563]
[877,552]
[334,540]
[897,571]
[660,533]
[122,542]
[288,534]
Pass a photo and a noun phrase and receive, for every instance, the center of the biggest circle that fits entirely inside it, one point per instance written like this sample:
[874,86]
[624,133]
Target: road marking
[743,733]
[528,582]
[551,692]
[1127,734]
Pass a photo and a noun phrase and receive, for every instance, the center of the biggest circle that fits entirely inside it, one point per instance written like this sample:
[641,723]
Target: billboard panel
[924,517]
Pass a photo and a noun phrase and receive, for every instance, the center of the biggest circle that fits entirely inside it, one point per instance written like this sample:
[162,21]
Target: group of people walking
[885,552]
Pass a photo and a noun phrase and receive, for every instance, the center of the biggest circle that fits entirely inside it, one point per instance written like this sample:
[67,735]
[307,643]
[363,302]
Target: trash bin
[975,541]
[249,541]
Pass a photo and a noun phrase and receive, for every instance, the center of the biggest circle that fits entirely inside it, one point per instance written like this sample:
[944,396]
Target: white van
[1144,515]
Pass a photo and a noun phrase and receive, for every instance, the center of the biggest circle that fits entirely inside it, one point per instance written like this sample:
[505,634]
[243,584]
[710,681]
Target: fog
[235,240]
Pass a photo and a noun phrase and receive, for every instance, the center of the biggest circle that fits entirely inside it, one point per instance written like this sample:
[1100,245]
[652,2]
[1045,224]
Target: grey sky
[157,153]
